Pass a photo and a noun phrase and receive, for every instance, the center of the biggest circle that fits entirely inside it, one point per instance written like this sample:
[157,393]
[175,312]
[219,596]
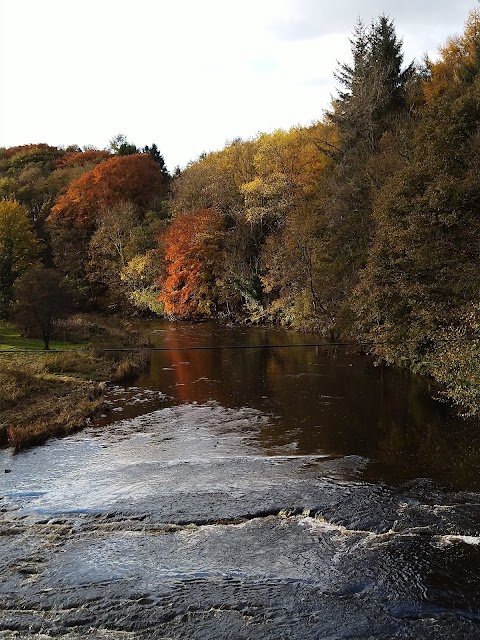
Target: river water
[263,492]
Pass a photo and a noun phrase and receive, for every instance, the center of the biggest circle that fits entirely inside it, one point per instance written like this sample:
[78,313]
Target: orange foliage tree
[134,178]
[193,256]
[81,158]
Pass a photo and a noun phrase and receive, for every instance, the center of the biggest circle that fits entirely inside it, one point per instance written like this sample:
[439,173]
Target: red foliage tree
[135,178]
[192,256]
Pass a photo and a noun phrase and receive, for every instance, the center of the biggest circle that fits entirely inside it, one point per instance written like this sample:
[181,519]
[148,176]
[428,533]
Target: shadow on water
[323,399]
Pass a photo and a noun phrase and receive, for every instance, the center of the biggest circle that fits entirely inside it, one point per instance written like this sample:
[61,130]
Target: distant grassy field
[11,340]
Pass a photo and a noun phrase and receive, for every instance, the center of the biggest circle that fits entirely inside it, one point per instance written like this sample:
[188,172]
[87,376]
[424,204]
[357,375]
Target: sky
[189,75]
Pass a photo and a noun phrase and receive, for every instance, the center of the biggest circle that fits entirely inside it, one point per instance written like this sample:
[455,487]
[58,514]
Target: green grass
[11,340]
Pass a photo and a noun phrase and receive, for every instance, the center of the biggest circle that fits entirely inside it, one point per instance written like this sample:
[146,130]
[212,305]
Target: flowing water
[266,492]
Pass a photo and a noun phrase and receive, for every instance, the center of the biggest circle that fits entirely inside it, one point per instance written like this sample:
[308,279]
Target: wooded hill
[365,225]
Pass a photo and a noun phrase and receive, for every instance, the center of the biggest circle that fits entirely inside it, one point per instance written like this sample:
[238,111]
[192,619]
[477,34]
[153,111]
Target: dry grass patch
[46,394]
[17,383]
[50,417]
[36,404]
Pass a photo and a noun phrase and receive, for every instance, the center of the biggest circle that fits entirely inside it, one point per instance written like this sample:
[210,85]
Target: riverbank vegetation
[363,225]
[52,394]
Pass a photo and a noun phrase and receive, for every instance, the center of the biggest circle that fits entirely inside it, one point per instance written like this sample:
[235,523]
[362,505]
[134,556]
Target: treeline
[364,225]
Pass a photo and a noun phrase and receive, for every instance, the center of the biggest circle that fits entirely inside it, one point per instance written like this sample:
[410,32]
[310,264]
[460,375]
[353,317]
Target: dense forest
[363,226]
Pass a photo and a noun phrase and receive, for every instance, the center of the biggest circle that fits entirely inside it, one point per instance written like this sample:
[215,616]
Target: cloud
[305,19]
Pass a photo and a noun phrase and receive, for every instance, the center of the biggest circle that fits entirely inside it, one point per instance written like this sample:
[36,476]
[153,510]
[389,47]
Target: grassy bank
[46,394]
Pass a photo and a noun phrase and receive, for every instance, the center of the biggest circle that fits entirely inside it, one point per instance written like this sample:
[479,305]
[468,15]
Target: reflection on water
[320,399]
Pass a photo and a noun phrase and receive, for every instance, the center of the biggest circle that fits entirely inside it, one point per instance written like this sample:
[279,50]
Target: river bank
[45,394]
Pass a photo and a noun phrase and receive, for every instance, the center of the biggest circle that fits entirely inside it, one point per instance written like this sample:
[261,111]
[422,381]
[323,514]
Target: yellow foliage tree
[460,59]
[19,248]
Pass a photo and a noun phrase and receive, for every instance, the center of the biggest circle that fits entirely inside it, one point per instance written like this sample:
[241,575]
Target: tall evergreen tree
[372,87]
[154,152]
[371,98]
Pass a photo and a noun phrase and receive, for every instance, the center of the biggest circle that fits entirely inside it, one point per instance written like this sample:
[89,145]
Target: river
[267,491]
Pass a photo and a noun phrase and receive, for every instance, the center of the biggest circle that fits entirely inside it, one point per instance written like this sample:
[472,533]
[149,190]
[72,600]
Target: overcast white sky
[186,74]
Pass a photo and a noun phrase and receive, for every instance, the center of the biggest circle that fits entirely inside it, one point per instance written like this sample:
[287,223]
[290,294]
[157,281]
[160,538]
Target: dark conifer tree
[158,157]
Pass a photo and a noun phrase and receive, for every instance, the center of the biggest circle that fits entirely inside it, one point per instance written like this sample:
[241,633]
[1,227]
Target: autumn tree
[19,249]
[135,179]
[291,274]
[459,62]
[79,158]
[25,177]
[257,185]
[35,176]
[41,299]
[140,281]
[192,253]
[214,180]
[110,248]
[279,205]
